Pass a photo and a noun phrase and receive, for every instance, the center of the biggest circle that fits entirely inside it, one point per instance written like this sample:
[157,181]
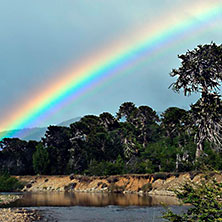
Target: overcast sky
[40,38]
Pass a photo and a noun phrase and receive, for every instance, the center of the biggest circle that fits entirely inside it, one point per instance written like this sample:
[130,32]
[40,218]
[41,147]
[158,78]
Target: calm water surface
[91,199]
[93,207]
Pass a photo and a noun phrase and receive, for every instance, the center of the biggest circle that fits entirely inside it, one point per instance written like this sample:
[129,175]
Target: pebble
[19,215]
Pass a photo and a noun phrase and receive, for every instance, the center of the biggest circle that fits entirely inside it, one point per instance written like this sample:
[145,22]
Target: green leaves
[205,198]
[41,160]
[9,184]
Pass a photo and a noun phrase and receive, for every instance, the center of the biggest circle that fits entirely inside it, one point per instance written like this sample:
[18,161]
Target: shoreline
[9,198]
[159,184]
[8,214]
[19,214]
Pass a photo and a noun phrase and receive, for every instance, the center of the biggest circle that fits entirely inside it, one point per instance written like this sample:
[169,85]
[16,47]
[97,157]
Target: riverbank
[16,214]
[146,184]
[6,199]
[19,215]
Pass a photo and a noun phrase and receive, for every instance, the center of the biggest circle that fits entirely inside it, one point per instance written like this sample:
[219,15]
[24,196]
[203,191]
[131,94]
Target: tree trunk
[177,162]
[199,149]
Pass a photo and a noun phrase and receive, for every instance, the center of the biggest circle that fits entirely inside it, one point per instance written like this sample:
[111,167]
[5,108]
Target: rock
[71,186]
[29,185]
[72,176]
[104,185]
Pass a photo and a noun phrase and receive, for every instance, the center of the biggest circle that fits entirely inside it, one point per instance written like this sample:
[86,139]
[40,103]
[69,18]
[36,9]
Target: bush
[9,184]
[205,199]
[140,167]
[102,168]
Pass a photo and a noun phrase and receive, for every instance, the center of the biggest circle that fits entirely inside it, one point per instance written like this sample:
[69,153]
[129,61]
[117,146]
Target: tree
[125,110]
[145,120]
[108,121]
[205,119]
[16,155]
[201,72]
[173,121]
[41,159]
[57,142]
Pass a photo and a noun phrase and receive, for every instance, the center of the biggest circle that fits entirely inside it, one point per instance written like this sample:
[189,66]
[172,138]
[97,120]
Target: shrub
[9,184]
[205,199]
[104,168]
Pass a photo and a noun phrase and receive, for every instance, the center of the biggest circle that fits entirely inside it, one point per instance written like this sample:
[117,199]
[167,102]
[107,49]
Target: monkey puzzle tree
[125,110]
[201,72]
[143,118]
[173,120]
[108,121]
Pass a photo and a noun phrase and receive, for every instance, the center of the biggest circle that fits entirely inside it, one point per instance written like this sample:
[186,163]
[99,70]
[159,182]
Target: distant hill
[38,132]
[68,122]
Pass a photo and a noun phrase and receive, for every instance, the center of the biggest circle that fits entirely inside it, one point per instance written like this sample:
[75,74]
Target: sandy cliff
[153,184]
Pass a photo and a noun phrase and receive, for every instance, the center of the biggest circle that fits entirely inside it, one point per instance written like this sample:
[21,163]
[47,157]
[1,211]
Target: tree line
[136,139]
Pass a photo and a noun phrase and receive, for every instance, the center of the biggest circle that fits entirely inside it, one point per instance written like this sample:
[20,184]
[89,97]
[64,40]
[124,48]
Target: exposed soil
[151,184]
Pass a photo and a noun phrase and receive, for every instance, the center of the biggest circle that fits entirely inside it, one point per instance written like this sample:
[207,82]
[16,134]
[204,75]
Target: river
[98,207]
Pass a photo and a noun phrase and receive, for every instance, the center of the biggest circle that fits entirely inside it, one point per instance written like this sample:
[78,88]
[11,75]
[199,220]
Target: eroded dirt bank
[152,184]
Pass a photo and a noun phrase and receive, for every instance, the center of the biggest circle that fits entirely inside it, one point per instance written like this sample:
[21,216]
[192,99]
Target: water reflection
[91,199]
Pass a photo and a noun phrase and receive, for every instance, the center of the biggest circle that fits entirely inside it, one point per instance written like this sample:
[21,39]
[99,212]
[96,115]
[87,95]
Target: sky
[41,40]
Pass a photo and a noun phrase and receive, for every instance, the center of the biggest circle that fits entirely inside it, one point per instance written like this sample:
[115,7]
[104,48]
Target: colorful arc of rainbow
[83,79]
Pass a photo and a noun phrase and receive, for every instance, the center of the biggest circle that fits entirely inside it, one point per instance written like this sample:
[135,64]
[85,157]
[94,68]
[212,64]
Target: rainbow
[146,44]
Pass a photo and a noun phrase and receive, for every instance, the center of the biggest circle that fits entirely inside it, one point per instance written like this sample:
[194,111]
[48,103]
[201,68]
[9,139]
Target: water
[98,207]
[106,214]
[91,199]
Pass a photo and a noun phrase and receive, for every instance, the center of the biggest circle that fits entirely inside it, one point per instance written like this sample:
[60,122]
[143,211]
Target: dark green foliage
[162,155]
[16,156]
[41,160]
[57,141]
[205,199]
[173,121]
[201,72]
[140,165]
[9,184]
[104,146]
[211,159]
[105,168]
